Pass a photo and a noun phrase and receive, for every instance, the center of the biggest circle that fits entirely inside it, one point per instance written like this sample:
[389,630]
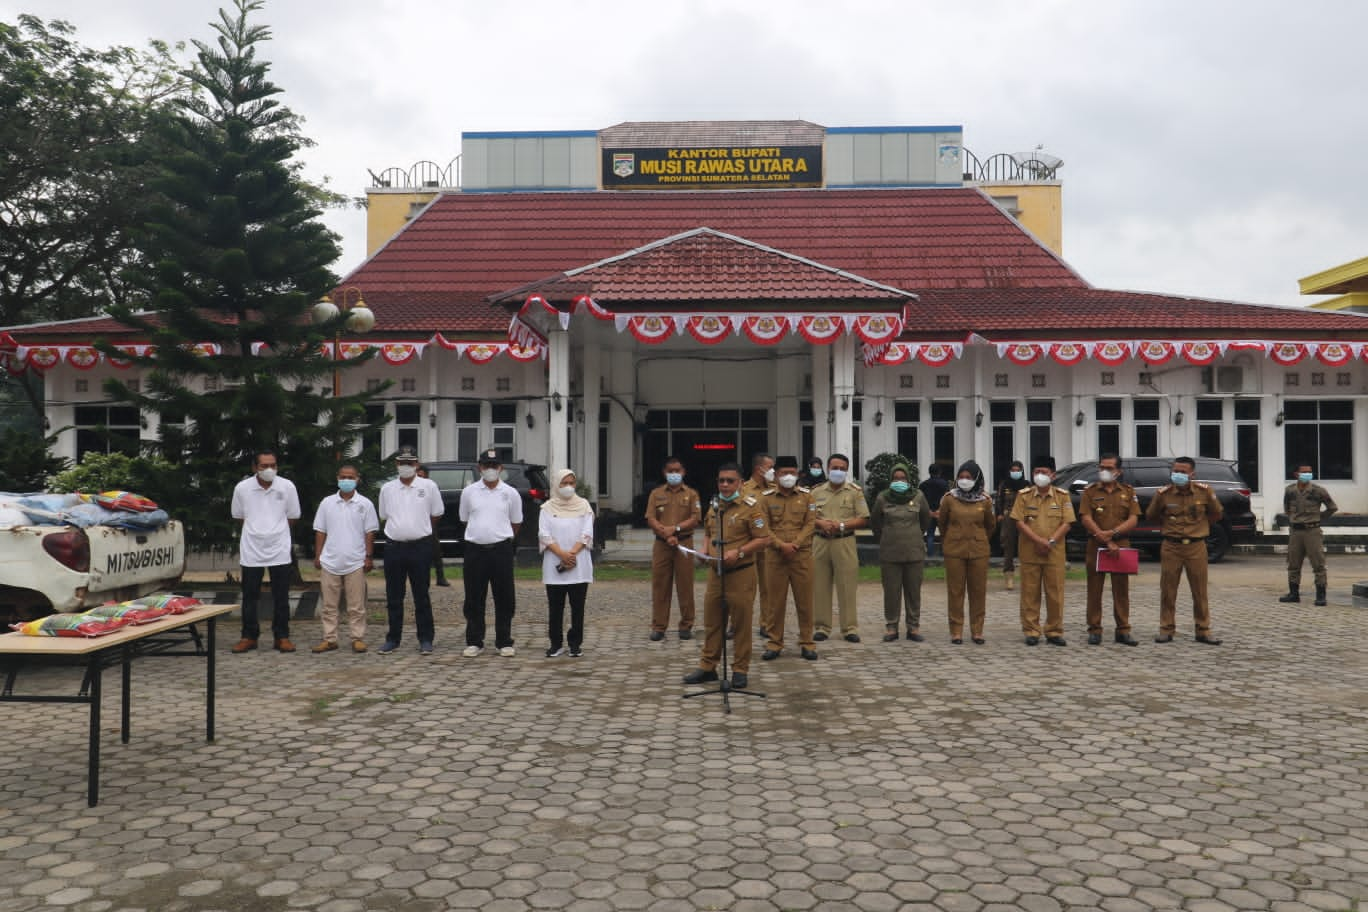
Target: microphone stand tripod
[724,685]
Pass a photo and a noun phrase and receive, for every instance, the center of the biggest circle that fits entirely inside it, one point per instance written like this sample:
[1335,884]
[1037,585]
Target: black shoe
[1094,639]
[699,676]
[891,636]
[731,633]
[769,655]
[686,634]
[1293,596]
[739,681]
[762,633]
[819,636]
[657,636]
[1320,596]
[1057,641]
[1031,641]
[957,642]
[1164,638]
[979,641]
[1125,639]
[852,638]
[1209,640]
[915,637]
[443,583]
[809,654]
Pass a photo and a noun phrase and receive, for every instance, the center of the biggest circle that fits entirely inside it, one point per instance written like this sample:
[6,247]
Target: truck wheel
[1217,543]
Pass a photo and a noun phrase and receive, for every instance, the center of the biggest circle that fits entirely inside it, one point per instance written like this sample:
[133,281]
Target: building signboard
[712,167]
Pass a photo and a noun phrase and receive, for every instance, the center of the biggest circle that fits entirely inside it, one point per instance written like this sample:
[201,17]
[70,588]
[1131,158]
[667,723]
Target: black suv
[452,477]
[1149,473]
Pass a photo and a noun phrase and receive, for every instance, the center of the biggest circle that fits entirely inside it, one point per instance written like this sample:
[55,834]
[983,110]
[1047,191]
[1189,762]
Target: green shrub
[25,465]
[150,476]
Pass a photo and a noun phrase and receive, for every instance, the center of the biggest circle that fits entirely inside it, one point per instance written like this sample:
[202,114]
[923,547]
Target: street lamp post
[360,319]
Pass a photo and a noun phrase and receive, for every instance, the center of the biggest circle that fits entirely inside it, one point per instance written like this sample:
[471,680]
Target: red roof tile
[707,267]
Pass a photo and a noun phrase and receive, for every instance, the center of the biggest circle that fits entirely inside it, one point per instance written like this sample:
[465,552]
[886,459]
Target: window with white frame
[408,418]
[467,431]
[1145,414]
[1320,433]
[1210,417]
[943,427]
[1107,413]
[1039,430]
[907,427]
[107,429]
[1248,431]
[503,416]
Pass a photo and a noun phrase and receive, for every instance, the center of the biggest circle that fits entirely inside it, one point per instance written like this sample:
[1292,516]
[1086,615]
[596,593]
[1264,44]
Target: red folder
[1122,560]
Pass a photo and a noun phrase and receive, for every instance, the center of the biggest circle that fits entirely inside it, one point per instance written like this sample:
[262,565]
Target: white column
[821,402]
[588,463]
[624,462]
[558,387]
[843,394]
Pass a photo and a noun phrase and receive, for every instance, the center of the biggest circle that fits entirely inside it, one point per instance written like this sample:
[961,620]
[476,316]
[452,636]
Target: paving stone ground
[882,777]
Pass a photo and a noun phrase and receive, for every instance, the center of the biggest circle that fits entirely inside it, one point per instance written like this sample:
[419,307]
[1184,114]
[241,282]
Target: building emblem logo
[624,164]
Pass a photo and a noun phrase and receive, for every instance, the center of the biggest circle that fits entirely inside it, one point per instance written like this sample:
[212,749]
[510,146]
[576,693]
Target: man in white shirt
[267,506]
[408,505]
[344,540]
[492,512]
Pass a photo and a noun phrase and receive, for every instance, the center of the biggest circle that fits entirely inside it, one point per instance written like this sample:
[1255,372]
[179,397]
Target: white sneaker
[472,651]
[507,652]
[554,651]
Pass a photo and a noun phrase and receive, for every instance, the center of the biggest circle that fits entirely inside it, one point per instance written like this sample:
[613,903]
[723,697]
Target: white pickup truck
[66,568]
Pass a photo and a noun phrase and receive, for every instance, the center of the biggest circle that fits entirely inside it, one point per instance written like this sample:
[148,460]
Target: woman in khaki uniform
[966,522]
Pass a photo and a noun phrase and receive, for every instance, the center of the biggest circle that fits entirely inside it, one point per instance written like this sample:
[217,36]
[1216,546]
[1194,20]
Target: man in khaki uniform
[1043,514]
[788,560]
[1186,509]
[673,511]
[736,531]
[761,480]
[1109,510]
[1307,505]
[841,509]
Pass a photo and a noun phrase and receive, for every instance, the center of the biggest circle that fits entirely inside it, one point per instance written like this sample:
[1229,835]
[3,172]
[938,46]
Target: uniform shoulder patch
[749,501]
[805,490]
[769,491]
[855,485]
[1203,486]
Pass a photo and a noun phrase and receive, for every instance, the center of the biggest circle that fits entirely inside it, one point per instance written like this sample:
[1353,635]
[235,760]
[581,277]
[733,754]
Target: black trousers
[280,601]
[437,558]
[555,621]
[489,567]
[408,562]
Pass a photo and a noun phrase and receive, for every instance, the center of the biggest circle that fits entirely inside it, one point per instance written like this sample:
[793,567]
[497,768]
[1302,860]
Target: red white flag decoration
[82,357]
[709,328]
[1200,352]
[765,330]
[1068,352]
[819,330]
[1155,352]
[1335,354]
[1022,353]
[932,354]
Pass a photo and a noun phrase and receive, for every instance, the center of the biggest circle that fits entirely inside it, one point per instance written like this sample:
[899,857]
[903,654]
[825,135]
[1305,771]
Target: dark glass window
[1210,409]
[1108,410]
[943,411]
[1040,410]
[1145,410]
[1246,410]
[1320,434]
[1001,412]
[904,412]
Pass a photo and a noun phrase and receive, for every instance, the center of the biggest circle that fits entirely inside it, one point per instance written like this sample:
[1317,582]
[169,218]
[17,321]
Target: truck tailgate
[124,557]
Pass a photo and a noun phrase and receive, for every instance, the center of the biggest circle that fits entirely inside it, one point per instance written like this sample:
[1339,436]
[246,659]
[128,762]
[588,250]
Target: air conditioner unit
[1227,378]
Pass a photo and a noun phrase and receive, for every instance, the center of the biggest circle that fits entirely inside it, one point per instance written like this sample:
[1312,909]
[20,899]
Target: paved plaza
[882,777]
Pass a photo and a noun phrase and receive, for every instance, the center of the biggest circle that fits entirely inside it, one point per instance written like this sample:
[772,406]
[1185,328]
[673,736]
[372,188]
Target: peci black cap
[490,457]
[406,454]
[786,462]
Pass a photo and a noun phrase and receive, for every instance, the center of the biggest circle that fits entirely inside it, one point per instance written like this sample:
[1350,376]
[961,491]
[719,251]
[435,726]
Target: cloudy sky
[1211,147]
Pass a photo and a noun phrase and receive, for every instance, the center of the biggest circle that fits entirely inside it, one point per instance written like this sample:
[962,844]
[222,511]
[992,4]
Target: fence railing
[423,175]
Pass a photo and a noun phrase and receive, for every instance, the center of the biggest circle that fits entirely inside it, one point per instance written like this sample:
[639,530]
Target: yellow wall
[389,210]
[1042,211]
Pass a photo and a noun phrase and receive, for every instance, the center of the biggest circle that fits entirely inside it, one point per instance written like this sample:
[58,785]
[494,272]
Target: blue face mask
[673,478]
[346,485]
[1305,477]
[729,497]
[899,487]
[1179,478]
[1016,476]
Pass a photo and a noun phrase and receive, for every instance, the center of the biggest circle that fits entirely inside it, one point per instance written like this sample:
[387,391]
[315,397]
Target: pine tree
[235,256]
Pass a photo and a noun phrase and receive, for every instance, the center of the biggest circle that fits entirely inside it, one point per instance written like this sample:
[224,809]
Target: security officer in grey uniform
[1307,505]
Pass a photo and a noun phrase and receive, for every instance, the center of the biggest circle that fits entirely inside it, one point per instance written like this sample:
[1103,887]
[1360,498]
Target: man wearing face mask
[1307,505]
[1109,511]
[841,509]
[492,512]
[788,559]
[344,540]
[1186,509]
[1007,531]
[409,505]
[266,505]
[673,511]
[1043,514]
[761,480]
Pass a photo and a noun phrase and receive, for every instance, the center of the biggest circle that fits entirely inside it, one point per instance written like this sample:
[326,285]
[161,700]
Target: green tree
[234,255]
[879,471]
[24,461]
[75,150]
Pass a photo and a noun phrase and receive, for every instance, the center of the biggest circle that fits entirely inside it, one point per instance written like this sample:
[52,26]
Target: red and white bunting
[1337,354]
[1067,353]
[1287,353]
[819,329]
[1200,352]
[932,354]
[1155,352]
[481,352]
[1022,353]
[874,329]
[765,329]
[82,357]
[652,329]
[1112,353]
[401,352]
[709,328]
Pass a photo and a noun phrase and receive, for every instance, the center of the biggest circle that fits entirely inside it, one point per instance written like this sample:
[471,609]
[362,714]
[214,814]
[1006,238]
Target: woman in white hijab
[565,531]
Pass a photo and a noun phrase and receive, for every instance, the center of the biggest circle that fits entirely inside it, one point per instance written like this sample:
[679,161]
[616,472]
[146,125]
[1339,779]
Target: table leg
[93,770]
[127,655]
[209,682]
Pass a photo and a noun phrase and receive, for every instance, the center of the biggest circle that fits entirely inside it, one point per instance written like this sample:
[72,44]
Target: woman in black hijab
[966,521]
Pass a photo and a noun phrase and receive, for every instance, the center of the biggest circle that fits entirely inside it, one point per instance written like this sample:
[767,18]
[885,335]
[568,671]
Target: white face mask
[965,484]
[769,475]
[1041,479]
[1106,476]
[267,475]
[407,471]
[787,481]
[490,475]
[674,478]
[565,492]
[837,476]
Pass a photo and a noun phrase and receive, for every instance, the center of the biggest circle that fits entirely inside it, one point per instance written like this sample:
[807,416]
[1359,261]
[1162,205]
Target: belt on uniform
[1297,527]
[491,545]
[1178,540]
[738,567]
[835,534]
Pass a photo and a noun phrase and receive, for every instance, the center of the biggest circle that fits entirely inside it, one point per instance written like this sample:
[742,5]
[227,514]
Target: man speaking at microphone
[736,531]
